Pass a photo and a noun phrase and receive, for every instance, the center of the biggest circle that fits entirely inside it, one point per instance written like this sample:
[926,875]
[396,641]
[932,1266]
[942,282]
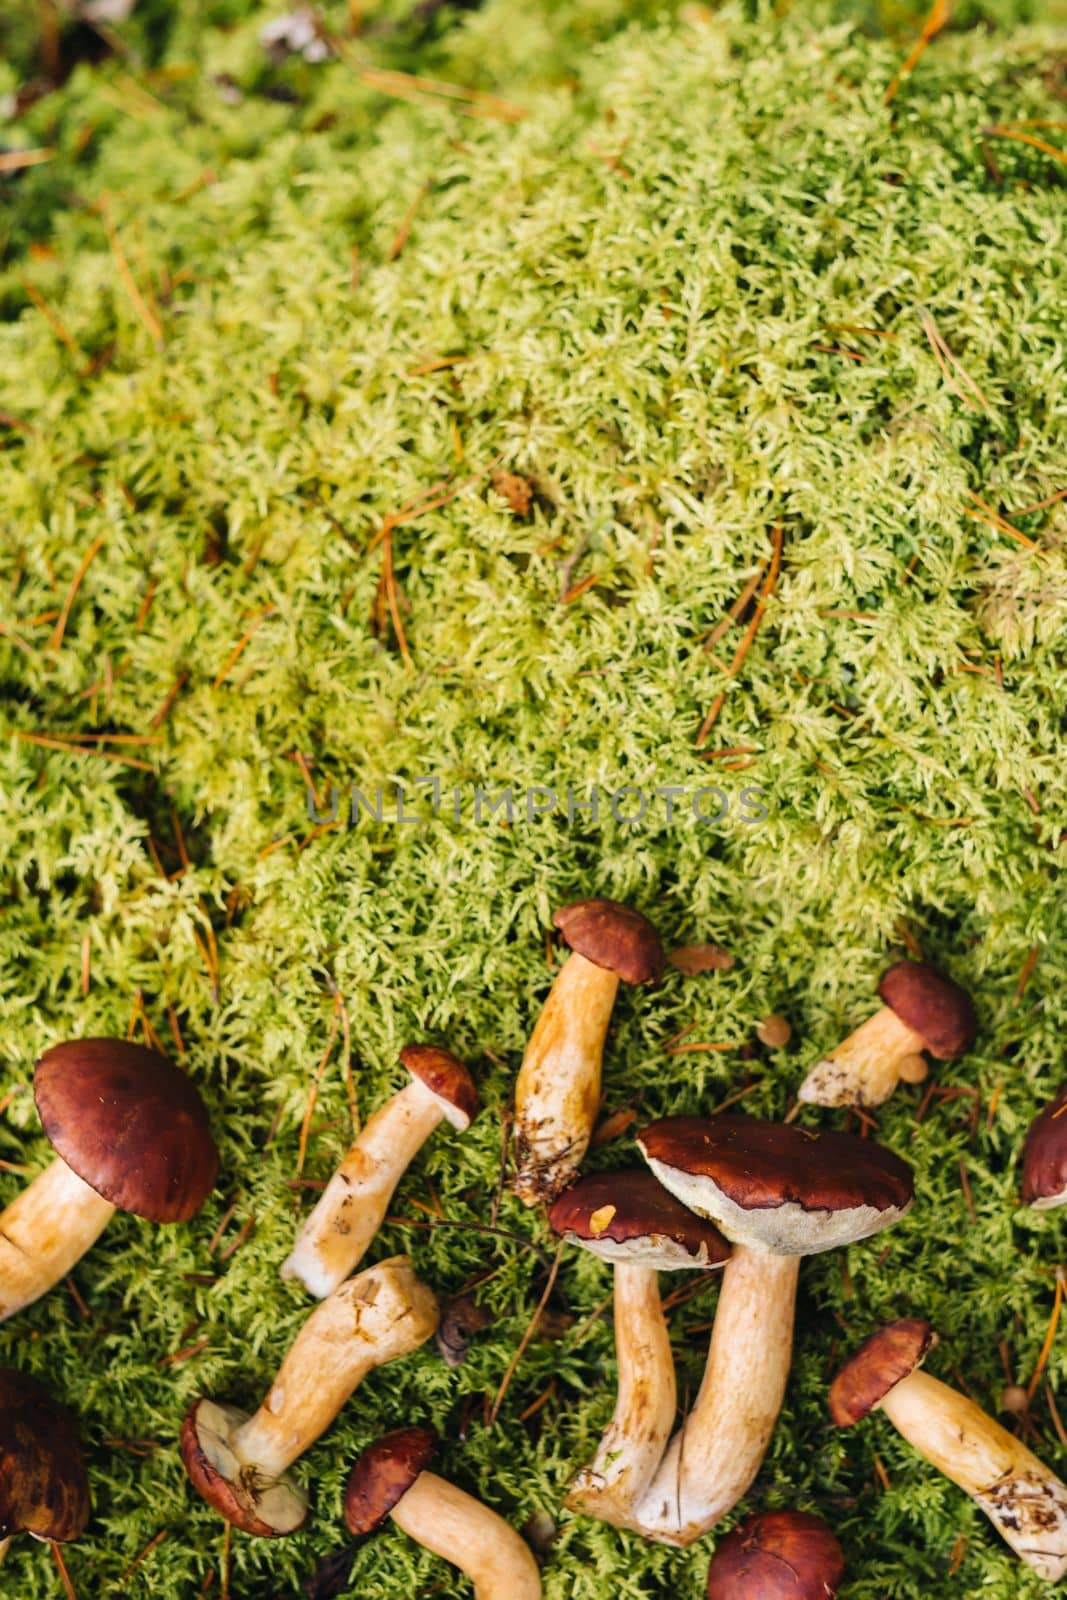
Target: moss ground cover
[268,333]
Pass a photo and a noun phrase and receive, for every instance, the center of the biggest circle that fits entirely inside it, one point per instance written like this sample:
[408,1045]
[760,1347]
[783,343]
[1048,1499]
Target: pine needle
[494,1410]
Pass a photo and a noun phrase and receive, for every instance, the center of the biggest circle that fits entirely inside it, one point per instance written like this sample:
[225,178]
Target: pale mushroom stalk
[464,1532]
[352,1207]
[633,1443]
[5,1546]
[1024,1500]
[865,1068]
[713,1459]
[44,1232]
[558,1087]
[238,1462]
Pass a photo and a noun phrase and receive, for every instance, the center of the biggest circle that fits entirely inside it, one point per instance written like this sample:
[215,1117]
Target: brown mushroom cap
[44,1489]
[1044,1182]
[936,1008]
[445,1076]
[613,936]
[630,1216]
[878,1366]
[777,1186]
[130,1124]
[778,1555]
[268,1509]
[383,1475]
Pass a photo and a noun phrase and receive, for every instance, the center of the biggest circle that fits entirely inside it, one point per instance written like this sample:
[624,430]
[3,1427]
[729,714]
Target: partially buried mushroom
[779,1193]
[1044,1183]
[240,1463]
[630,1220]
[349,1213]
[777,1555]
[558,1087]
[923,1011]
[391,1479]
[130,1133]
[1026,1503]
[44,1489]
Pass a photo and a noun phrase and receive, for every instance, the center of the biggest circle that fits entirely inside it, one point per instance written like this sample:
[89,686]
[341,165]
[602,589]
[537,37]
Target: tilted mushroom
[558,1087]
[777,1555]
[351,1209]
[779,1193]
[923,1010]
[391,1479]
[1044,1183]
[630,1220]
[44,1489]
[1026,1503]
[130,1133]
[240,1463]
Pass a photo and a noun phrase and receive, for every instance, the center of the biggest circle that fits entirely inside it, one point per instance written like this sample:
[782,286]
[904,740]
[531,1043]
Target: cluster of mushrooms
[731,1193]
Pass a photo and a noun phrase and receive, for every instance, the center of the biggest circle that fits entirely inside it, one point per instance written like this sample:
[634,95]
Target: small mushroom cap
[630,1216]
[268,1508]
[878,1366]
[776,1186]
[1045,1157]
[44,1489]
[131,1125]
[613,936]
[383,1475]
[779,1555]
[936,1008]
[446,1077]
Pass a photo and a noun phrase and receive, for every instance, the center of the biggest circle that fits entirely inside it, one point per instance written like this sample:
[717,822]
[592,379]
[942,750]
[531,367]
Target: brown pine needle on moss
[172,695]
[409,86]
[242,644]
[750,634]
[16,160]
[145,314]
[1041,505]
[400,238]
[955,374]
[153,1544]
[1027,972]
[531,1328]
[86,562]
[686,1049]
[986,513]
[64,1575]
[313,1092]
[54,320]
[49,743]
[939,14]
[1050,1337]
[999,132]
[578,589]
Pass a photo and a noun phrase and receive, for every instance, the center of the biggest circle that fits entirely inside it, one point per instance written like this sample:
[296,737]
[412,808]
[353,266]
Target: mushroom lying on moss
[778,1555]
[44,1489]
[558,1087]
[1044,1176]
[923,1010]
[130,1133]
[1026,1503]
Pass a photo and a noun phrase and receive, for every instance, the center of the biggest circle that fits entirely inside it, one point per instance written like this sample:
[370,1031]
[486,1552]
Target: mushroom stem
[5,1546]
[354,1203]
[717,1452]
[1026,1503]
[382,1313]
[44,1232]
[558,1087]
[634,1441]
[865,1068]
[463,1531]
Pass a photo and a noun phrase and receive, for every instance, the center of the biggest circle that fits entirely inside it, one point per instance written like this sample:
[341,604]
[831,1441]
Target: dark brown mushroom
[44,1488]
[130,1133]
[558,1088]
[336,1234]
[779,1193]
[1044,1182]
[777,1555]
[1026,1503]
[631,1221]
[923,1011]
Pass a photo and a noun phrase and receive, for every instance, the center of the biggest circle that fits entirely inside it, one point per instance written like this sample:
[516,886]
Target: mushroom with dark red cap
[130,1133]
[332,1241]
[777,1555]
[923,1011]
[44,1488]
[558,1088]
[779,1193]
[391,1479]
[1026,1503]
[240,1463]
[630,1220]
[1044,1182]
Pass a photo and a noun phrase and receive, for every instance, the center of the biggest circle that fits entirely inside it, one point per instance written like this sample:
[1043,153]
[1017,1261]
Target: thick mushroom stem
[375,1317]
[353,1205]
[1026,1503]
[463,1531]
[717,1452]
[867,1066]
[634,1441]
[558,1088]
[44,1232]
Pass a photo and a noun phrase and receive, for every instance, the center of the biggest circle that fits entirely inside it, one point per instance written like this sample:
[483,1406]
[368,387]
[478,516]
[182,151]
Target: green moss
[639,278]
